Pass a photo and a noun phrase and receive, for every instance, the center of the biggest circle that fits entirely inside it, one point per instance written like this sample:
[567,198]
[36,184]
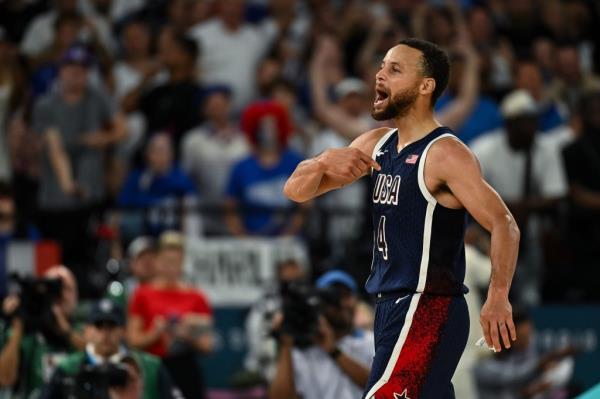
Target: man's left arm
[454,166]
[358,373]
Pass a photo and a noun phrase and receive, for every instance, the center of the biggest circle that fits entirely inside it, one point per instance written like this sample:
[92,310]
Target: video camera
[302,306]
[94,381]
[36,298]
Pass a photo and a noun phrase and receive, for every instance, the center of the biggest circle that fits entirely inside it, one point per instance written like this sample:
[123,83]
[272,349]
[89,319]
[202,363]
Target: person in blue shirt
[484,114]
[255,202]
[162,189]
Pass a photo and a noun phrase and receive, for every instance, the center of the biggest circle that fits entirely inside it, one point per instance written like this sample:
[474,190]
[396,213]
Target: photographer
[103,369]
[41,331]
[337,362]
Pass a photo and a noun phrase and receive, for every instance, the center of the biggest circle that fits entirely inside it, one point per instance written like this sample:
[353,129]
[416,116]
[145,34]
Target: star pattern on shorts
[401,395]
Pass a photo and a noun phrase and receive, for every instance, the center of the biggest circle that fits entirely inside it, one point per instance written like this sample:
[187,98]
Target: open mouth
[380,96]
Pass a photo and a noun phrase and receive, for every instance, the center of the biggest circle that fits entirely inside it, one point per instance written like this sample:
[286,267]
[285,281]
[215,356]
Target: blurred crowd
[122,121]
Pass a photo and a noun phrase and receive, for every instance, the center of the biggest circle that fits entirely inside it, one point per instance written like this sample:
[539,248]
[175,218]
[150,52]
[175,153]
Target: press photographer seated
[41,332]
[321,354]
[106,368]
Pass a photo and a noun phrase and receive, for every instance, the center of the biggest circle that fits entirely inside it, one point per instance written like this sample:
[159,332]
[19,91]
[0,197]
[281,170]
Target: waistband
[386,296]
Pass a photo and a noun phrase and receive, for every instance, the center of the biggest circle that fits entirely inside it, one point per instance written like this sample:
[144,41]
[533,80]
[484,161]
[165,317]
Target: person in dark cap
[341,353]
[76,125]
[106,328]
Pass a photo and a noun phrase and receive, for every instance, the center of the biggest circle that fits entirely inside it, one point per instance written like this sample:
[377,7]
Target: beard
[397,106]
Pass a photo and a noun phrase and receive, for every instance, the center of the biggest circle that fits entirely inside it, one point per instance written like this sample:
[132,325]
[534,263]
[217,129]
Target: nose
[380,76]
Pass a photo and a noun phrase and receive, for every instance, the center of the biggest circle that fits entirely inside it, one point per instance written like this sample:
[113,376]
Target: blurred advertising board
[235,272]
[578,325]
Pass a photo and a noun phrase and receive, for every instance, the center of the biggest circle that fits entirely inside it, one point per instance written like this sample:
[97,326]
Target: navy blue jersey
[418,244]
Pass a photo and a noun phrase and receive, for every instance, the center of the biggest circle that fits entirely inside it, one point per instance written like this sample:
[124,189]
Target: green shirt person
[106,333]
[35,343]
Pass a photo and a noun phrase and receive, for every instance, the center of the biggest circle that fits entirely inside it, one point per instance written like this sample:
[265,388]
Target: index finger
[370,161]
[485,326]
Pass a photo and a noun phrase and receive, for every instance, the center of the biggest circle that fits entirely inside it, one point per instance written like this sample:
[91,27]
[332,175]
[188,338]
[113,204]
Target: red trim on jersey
[419,348]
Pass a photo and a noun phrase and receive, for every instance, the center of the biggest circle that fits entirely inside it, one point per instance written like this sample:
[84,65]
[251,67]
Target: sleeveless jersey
[418,244]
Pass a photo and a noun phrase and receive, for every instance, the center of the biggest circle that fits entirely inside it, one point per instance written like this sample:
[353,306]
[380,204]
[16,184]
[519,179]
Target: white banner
[235,272]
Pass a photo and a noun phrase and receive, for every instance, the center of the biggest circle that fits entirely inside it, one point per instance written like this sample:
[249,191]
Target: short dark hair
[435,64]
[188,45]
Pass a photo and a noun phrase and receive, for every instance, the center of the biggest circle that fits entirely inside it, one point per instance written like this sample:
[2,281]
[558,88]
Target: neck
[220,124]
[72,96]
[181,74]
[414,126]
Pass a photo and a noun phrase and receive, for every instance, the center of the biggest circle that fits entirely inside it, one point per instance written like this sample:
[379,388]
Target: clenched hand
[345,165]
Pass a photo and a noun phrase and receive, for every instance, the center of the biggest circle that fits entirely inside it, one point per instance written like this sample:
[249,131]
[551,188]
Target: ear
[427,86]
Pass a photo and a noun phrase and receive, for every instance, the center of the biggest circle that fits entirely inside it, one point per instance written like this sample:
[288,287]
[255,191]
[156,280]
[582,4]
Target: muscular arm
[334,168]
[451,164]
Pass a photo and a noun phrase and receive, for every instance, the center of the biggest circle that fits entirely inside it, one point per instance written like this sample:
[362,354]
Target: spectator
[76,126]
[171,107]
[494,50]
[209,152]
[106,329]
[137,64]
[571,81]
[172,320]
[28,357]
[162,189]
[40,32]
[528,175]
[141,255]
[11,227]
[263,316]
[582,164]
[255,202]
[528,76]
[350,116]
[461,106]
[12,95]
[341,354]
[522,371]
[227,38]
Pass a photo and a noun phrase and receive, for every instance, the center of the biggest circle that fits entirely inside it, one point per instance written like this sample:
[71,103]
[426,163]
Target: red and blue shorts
[419,339]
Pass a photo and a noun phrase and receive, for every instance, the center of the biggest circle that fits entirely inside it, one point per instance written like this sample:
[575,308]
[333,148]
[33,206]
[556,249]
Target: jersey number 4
[381,241]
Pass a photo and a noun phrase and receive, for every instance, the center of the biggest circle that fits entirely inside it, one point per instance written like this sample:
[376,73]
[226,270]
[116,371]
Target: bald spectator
[36,344]
[224,40]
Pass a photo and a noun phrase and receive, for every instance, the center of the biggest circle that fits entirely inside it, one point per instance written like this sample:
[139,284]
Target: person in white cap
[527,173]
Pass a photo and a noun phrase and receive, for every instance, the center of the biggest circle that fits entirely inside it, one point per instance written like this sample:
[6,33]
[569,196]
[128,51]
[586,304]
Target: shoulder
[46,102]
[449,153]
[72,362]
[367,141]
[204,28]
[145,358]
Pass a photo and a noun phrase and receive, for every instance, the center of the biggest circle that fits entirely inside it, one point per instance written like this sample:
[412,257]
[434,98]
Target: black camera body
[94,381]
[302,307]
[37,296]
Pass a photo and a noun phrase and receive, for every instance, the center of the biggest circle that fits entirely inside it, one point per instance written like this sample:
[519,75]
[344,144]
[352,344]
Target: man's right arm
[333,168]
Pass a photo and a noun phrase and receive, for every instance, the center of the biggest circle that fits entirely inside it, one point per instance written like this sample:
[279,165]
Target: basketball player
[424,181]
